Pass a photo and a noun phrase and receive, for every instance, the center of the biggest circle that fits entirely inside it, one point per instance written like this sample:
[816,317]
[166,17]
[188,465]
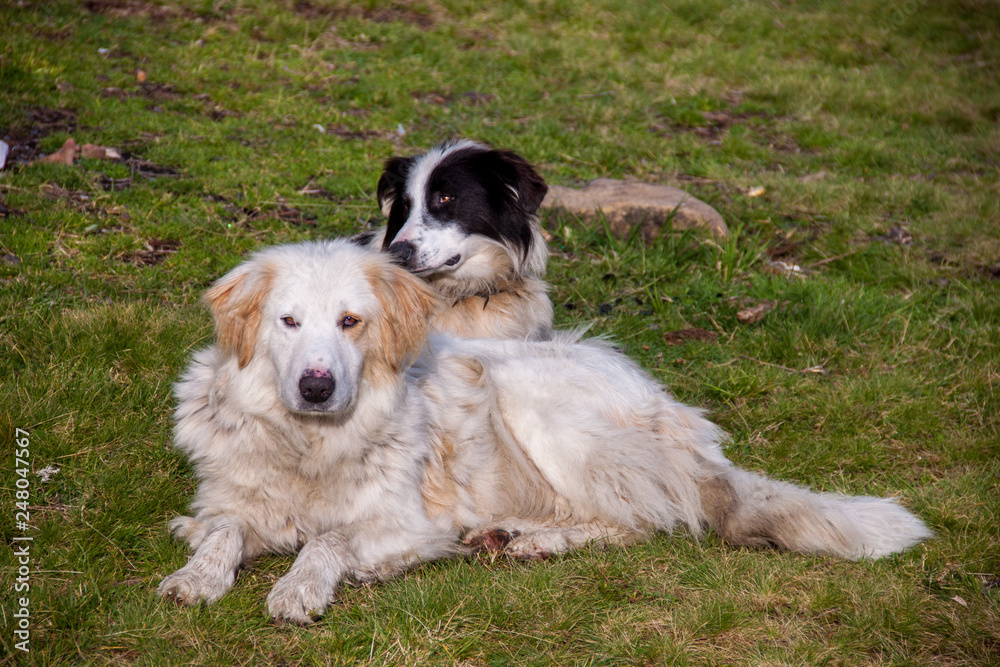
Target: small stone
[625,204]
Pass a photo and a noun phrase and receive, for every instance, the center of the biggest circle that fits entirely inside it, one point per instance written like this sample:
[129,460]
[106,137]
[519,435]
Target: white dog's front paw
[299,598]
[537,546]
[188,586]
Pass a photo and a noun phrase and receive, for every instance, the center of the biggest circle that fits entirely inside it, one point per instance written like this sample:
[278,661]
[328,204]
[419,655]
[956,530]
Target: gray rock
[625,204]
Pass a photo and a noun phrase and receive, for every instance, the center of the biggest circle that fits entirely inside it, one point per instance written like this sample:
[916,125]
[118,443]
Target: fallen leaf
[93,152]
[960,601]
[756,313]
[682,336]
[65,155]
[756,192]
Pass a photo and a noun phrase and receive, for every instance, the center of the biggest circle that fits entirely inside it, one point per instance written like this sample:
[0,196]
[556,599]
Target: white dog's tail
[749,509]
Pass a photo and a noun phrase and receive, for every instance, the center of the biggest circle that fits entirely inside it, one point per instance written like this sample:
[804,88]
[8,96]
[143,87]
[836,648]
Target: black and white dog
[462,216]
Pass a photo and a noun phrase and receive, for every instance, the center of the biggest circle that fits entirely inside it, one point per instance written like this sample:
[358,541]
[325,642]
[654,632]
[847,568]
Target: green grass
[866,124]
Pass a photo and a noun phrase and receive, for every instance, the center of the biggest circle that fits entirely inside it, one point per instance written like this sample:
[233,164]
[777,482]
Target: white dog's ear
[407,303]
[236,301]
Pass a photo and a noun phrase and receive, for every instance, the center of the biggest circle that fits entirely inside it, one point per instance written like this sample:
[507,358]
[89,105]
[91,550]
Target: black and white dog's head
[462,216]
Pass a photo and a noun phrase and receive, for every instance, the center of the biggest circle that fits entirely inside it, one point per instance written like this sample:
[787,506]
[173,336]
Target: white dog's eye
[289,322]
[349,321]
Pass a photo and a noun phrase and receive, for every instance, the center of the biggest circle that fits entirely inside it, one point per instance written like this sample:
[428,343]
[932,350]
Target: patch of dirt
[788,245]
[126,8]
[47,120]
[7,212]
[291,215]
[785,246]
[218,113]
[311,189]
[115,92]
[798,231]
[991,271]
[159,91]
[78,197]
[84,201]
[140,168]
[281,212]
[166,92]
[345,132]
[716,123]
[896,235]
[682,336]
[470,97]
[24,136]
[965,267]
[392,14]
[155,252]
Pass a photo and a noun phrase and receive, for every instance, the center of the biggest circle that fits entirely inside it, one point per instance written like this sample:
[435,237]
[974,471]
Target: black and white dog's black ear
[363,239]
[520,177]
[393,181]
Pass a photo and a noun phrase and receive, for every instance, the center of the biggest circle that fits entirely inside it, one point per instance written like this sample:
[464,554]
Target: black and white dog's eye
[349,321]
[289,322]
[444,199]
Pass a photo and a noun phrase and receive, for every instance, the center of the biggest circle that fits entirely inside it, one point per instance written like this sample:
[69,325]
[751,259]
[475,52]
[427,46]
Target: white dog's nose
[316,387]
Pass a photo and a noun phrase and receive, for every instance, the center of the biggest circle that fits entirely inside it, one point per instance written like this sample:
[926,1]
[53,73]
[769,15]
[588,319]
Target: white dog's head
[329,316]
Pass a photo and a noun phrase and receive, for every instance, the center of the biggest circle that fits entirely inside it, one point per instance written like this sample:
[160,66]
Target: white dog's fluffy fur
[311,429]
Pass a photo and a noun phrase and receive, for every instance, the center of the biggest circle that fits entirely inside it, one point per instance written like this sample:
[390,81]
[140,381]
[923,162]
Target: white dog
[312,430]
